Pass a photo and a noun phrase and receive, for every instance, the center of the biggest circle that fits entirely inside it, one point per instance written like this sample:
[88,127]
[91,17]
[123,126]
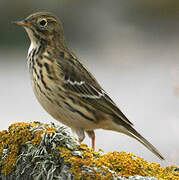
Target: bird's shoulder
[74,72]
[77,80]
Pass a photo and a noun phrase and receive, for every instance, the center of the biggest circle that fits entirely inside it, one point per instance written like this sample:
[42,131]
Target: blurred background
[132,49]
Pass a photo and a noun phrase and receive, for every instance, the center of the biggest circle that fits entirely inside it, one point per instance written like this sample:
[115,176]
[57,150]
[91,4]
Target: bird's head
[43,26]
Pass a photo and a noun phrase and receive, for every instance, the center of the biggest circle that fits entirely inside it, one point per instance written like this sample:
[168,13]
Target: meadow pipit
[65,88]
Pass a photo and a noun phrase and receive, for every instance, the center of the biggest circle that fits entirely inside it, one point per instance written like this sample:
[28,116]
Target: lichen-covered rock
[138,178]
[47,151]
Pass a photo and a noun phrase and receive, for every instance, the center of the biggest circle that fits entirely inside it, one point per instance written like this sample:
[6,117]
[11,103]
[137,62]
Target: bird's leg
[80,140]
[91,134]
[80,133]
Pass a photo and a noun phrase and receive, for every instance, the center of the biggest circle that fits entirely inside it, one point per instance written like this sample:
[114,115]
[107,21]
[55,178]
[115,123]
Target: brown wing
[81,83]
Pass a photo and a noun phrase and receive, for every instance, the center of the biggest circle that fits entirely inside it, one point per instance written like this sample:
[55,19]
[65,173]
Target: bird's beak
[22,23]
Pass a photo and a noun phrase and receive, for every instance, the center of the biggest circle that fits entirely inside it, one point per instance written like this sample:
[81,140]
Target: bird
[65,88]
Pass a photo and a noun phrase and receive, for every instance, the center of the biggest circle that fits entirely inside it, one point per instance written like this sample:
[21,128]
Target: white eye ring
[43,22]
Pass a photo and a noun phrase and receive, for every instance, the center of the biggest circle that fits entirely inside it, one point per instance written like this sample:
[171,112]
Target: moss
[46,146]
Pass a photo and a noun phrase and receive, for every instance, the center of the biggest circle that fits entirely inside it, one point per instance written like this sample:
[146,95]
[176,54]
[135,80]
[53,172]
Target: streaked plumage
[65,88]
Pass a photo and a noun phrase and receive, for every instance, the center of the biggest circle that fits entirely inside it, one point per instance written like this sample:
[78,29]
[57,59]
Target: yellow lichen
[17,135]
[88,160]
[38,138]
[124,164]
[102,167]
[50,130]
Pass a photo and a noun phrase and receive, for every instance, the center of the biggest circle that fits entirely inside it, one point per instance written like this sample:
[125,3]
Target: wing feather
[79,82]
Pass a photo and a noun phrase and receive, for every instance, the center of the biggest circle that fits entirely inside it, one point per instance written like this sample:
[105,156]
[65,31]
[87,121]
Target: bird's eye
[43,22]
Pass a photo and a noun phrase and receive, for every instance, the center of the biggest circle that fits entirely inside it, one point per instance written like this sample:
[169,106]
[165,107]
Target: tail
[130,131]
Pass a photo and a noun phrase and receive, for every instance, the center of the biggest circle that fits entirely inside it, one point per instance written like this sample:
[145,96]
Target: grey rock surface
[39,162]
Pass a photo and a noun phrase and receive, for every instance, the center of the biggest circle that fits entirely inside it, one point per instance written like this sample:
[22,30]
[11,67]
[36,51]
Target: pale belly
[57,108]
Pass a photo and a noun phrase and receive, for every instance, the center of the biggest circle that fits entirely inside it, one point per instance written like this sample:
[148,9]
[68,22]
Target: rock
[47,151]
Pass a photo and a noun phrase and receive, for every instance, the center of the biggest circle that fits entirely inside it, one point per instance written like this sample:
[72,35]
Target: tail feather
[133,133]
[130,131]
